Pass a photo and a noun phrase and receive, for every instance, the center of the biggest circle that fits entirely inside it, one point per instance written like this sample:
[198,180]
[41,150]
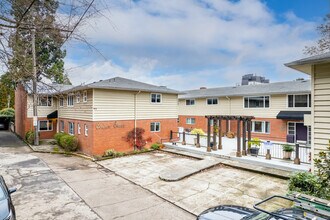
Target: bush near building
[29,137]
[67,142]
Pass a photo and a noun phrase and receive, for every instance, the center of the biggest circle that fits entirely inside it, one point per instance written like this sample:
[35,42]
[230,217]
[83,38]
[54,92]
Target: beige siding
[81,110]
[119,105]
[43,111]
[321,107]
[235,106]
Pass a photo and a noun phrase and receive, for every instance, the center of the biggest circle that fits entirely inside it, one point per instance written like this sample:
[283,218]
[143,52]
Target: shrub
[322,164]
[29,137]
[230,134]
[155,146]
[197,131]
[304,182]
[69,143]
[287,148]
[255,142]
[137,138]
[113,153]
[58,136]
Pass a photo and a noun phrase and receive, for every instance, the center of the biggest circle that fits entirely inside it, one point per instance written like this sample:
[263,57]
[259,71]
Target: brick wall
[104,135]
[278,127]
[20,111]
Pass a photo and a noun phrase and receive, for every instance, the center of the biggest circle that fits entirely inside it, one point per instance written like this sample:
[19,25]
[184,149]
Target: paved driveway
[9,139]
[219,185]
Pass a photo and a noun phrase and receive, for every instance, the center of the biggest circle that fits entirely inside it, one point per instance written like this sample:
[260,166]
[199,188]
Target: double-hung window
[45,101]
[61,126]
[155,126]
[86,130]
[78,128]
[78,97]
[156,98]
[61,102]
[260,127]
[45,125]
[85,96]
[299,101]
[71,128]
[212,101]
[256,102]
[70,100]
[190,121]
[190,101]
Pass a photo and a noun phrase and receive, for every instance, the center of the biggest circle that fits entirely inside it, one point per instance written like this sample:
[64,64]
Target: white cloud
[177,43]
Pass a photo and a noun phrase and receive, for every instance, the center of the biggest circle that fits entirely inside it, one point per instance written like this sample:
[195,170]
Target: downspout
[135,120]
[229,99]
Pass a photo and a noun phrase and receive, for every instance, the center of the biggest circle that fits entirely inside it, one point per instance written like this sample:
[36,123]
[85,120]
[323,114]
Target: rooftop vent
[300,79]
[203,87]
[162,86]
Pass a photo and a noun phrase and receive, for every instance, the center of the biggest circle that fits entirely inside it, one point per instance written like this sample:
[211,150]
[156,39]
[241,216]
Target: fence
[276,149]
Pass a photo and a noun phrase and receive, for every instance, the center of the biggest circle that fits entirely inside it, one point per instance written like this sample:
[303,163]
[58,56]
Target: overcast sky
[185,44]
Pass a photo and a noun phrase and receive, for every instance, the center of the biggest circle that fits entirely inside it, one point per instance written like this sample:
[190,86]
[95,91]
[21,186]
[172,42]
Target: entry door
[301,132]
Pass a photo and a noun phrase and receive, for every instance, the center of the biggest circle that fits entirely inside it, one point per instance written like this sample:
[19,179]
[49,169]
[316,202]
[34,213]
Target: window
[256,102]
[85,96]
[78,97]
[155,126]
[45,101]
[309,136]
[190,101]
[78,128]
[292,128]
[260,127]
[61,126]
[70,100]
[86,130]
[71,128]
[299,101]
[156,98]
[45,125]
[190,121]
[212,101]
[61,102]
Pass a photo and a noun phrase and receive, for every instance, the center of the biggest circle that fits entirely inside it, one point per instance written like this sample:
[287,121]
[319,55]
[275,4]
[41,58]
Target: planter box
[254,151]
[287,155]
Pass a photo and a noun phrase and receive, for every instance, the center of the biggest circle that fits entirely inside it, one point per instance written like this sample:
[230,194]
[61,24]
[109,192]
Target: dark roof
[304,65]
[292,115]
[299,86]
[119,83]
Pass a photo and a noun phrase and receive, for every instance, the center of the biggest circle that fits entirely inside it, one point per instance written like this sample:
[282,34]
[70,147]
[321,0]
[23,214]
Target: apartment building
[100,114]
[279,108]
[318,67]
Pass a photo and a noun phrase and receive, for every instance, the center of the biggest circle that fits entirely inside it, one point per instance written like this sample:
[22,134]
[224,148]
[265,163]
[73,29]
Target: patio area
[229,148]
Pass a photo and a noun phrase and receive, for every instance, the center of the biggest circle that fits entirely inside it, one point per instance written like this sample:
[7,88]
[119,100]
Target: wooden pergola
[217,121]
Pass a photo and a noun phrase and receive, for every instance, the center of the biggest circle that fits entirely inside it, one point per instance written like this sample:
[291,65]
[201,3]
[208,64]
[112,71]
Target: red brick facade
[278,127]
[104,135]
[20,111]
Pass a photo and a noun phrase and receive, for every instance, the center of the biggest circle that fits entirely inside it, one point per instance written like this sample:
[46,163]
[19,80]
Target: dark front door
[301,132]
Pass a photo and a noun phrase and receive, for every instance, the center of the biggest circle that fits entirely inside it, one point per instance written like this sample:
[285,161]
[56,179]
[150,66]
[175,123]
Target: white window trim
[78,96]
[47,102]
[190,123]
[69,128]
[59,102]
[263,127]
[212,102]
[185,102]
[47,126]
[294,95]
[60,128]
[257,96]
[155,126]
[85,96]
[67,100]
[78,128]
[86,129]
[161,98]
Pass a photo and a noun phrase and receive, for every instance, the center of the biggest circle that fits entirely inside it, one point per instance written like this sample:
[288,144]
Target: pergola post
[220,135]
[208,148]
[183,138]
[227,125]
[238,152]
[249,133]
[244,138]
[215,124]
[198,141]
